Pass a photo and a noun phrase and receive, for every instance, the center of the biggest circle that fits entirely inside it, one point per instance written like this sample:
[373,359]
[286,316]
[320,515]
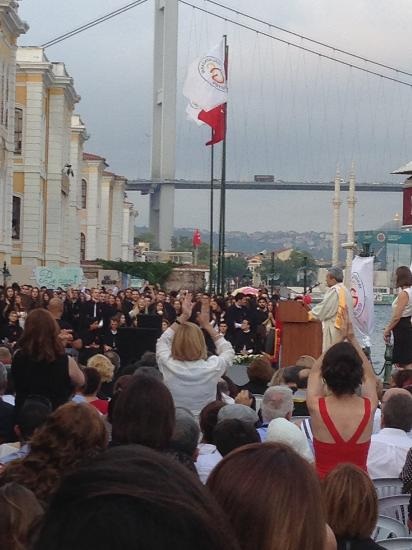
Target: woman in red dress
[342,421]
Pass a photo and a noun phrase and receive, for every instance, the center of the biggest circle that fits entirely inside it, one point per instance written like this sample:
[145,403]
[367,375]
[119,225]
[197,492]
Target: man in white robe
[331,308]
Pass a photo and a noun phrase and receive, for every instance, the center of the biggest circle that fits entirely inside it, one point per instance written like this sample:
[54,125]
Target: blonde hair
[277,378]
[103,365]
[189,343]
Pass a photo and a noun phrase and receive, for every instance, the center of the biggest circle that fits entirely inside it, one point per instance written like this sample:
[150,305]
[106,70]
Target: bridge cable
[303,37]
[92,23]
[314,52]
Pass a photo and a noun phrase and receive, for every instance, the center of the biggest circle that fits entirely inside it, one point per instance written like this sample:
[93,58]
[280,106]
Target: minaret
[351,226]
[336,219]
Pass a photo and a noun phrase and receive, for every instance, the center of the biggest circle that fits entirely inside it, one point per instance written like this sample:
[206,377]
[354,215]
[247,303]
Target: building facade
[66,206]
[107,218]
[44,182]
[11,27]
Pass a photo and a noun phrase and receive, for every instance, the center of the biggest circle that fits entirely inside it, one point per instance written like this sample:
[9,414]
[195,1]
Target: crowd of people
[166,450]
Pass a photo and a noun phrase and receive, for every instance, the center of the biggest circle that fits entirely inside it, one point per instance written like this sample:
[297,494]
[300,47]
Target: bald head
[394,391]
[56,307]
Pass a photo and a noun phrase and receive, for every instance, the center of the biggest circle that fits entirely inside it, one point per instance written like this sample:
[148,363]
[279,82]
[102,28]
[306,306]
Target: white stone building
[11,27]
[107,217]
[44,184]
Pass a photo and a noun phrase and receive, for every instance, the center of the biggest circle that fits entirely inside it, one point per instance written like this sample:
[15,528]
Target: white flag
[362,296]
[205,86]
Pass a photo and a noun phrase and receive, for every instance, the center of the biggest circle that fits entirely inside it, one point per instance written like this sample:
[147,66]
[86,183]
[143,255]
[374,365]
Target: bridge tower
[163,157]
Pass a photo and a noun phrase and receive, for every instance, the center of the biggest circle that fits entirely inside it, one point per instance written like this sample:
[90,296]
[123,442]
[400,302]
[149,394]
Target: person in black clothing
[235,315]
[11,332]
[110,338]
[92,309]
[91,339]
[7,434]
[244,342]
[259,373]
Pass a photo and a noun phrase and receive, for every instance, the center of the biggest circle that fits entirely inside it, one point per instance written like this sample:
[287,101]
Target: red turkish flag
[216,119]
[196,240]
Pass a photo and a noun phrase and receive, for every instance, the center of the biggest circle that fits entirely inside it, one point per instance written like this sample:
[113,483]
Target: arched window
[84,193]
[82,247]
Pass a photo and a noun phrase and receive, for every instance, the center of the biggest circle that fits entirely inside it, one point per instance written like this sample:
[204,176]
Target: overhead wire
[136,3]
[92,23]
[302,36]
[292,44]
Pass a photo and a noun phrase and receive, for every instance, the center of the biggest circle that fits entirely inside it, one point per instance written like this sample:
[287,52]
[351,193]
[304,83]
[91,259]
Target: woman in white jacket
[181,353]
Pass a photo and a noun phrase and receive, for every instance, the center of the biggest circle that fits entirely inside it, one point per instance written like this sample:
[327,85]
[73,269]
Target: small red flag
[216,119]
[196,241]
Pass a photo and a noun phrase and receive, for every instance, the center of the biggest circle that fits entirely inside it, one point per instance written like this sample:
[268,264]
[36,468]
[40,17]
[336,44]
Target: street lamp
[6,273]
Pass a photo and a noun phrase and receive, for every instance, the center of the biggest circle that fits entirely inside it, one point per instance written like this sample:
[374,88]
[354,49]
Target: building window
[84,193]
[16,218]
[18,131]
[82,247]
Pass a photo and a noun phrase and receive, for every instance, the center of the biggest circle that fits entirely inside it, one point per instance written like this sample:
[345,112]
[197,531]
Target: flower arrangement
[245,359]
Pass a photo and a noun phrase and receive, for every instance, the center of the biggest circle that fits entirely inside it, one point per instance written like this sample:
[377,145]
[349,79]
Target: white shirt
[208,457]
[192,384]
[387,453]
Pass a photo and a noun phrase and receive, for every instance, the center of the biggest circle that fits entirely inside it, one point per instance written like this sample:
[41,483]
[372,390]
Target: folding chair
[396,507]
[403,543]
[387,486]
[389,528]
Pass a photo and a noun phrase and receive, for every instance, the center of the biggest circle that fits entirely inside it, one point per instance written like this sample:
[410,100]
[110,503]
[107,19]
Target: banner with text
[63,277]
[362,296]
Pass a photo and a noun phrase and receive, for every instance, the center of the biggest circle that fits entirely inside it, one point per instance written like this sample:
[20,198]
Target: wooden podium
[299,336]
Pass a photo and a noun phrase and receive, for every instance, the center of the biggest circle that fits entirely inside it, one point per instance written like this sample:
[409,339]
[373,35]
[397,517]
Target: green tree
[236,267]
[146,238]
[154,272]
[290,272]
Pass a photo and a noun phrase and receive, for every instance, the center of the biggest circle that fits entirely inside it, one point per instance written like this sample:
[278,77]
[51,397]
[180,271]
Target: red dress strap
[363,423]
[328,421]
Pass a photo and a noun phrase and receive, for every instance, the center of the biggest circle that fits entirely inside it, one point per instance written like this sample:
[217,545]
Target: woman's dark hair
[144,413]
[260,488]
[402,378]
[93,381]
[260,370]
[40,339]
[19,511]
[71,434]
[342,369]
[133,497]
[208,420]
[403,276]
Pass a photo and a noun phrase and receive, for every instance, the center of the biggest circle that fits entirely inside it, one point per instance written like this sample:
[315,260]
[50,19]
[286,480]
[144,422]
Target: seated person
[259,373]
[234,433]
[244,342]
[299,397]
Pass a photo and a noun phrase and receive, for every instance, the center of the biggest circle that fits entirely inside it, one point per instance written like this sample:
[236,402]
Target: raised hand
[187,306]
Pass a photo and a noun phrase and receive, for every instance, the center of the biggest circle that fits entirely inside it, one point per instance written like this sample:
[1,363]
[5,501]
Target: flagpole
[212,154]
[222,220]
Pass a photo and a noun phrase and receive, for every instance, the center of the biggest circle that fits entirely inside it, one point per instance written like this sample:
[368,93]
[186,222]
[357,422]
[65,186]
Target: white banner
[362,296]
[205,85]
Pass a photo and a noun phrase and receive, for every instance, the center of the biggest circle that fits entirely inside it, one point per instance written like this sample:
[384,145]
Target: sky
[291,114]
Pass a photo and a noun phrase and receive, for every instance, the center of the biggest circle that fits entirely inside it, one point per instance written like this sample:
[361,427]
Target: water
[382,316]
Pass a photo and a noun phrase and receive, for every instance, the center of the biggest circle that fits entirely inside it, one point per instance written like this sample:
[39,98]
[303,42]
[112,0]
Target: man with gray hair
[330,310]
[277,402]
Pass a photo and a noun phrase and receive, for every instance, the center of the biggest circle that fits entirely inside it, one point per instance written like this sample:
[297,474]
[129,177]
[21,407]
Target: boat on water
[383,296]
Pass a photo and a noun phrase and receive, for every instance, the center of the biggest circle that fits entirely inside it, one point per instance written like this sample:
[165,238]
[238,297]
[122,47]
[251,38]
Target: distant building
[391,248]
[66,207]
[107,218]
[44,180]
[11,27]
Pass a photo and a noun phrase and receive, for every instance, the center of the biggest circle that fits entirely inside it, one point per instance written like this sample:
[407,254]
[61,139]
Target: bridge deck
[148,186]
